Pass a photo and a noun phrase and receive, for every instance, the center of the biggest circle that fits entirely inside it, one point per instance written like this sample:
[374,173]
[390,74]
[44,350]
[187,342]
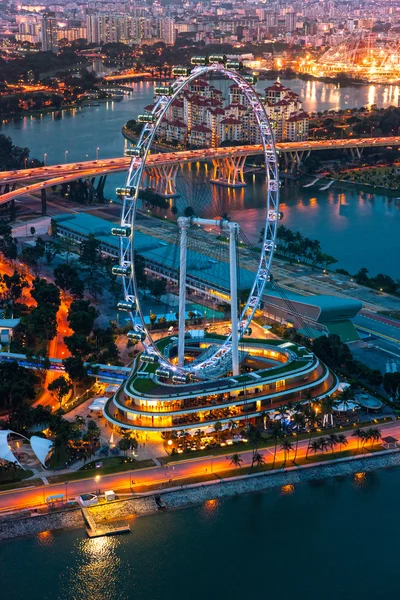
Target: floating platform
[94,531]
[108,530]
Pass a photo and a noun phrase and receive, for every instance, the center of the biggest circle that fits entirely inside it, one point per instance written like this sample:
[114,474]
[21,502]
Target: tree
[78,345]
[217,428]
[299,421]
[287,447]
[61,388]
[124,444]
[90,258]
[81,317]
[75,369]
[140,274]
[391,384]
[41,323]
[67,278]
[51,249]
[157,288]
[255,437]
[40,361]
[236,460]
[8,246]
[17,385]
[46,294]
[15,284]
[315,446]
[276,435]
[259,459]
[333,441]
[360,435]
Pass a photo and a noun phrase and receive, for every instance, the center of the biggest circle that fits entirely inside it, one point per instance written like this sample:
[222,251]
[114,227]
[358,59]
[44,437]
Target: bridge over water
[162,168]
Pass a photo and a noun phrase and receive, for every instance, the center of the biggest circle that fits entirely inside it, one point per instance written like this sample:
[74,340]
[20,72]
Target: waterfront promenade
[174,473]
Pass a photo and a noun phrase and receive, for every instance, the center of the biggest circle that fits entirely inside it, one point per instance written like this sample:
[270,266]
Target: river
[356,227]
[333,539]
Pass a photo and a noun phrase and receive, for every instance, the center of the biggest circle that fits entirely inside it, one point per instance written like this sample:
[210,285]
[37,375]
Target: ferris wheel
[228,351]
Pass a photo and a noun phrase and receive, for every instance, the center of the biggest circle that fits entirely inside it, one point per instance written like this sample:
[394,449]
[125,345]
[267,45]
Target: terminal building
[312,316]
[156,400]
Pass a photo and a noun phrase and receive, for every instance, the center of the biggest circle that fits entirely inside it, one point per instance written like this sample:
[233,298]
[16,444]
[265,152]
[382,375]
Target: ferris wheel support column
[233,230]
[183,223]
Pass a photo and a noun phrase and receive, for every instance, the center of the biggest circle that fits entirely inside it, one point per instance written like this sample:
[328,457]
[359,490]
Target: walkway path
[32,497]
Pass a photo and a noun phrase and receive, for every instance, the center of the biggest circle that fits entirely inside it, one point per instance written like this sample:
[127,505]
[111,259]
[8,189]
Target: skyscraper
[49,32]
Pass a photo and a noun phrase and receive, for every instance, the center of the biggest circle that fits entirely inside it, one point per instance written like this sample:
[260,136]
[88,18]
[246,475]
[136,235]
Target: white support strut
[183,223]
[233,231]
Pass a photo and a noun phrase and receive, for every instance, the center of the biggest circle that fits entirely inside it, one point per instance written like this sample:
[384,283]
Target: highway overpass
[163,166]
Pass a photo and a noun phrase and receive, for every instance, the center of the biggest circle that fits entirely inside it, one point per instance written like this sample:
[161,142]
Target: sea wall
[11,527]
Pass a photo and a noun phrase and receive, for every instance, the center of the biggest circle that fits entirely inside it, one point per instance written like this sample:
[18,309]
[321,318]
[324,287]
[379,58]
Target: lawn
[10,479]
[113,464]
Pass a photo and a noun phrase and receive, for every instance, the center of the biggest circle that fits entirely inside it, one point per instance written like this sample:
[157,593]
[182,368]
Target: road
[379,325]
[56,346]
[64,173]
[34,497]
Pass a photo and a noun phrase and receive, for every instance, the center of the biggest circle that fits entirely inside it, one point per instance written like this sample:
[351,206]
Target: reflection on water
[287,490]
[98,573]
[45,539]
[215,549]
[344,220]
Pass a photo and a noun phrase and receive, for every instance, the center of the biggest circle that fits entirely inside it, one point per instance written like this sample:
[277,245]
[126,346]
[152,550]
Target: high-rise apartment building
[49,32]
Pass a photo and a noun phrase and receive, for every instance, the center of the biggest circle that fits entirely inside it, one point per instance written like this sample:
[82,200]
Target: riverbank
[27,523]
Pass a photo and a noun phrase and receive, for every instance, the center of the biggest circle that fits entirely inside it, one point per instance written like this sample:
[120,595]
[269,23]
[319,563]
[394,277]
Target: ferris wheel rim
[128,216]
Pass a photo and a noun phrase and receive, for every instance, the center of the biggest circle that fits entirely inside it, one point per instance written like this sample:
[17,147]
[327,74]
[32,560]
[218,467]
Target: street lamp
[45,159]
[65,156]
[97,153]
[66,491]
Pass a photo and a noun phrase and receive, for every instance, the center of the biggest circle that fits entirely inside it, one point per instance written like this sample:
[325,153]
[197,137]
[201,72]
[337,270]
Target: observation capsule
[136,336]
[126,305]
[200,61]
[134,152]
[125,191]
[163,90]
[217,58]
[149,358]
[234,65]
[146,118]
[272,216]
[181,71]
[179,378]
[121,231]
[122,270]
[163,373]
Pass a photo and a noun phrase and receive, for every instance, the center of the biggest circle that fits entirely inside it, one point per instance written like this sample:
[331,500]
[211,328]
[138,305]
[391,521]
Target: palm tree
[298,420]
[217,428]
[232,425]
[342,440]
[323,444]
[259,459]
[333,441]
[255,437]
[315,446]
[276,435]
[236,460]
[287,447]
[360,435]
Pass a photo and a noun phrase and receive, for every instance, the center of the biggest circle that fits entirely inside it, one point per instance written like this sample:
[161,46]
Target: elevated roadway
[43,177]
